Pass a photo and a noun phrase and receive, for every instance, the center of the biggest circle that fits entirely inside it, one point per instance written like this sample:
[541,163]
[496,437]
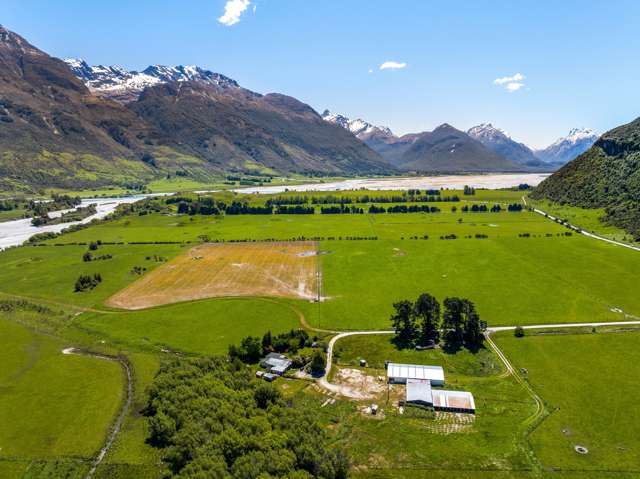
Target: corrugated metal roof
[415,371]
[453,400]
[419,390]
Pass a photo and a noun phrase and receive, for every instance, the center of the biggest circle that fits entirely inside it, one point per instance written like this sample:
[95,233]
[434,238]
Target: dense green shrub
[212,418]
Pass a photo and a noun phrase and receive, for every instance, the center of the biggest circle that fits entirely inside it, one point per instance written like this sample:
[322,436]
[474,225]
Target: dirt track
[123,412]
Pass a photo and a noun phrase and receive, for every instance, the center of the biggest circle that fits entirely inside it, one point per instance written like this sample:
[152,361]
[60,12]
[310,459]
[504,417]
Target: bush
[519,332]
[318,362]
[211,418]
[86,282]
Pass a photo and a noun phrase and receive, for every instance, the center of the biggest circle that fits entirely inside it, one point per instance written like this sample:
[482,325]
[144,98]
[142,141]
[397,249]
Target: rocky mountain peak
[124,85]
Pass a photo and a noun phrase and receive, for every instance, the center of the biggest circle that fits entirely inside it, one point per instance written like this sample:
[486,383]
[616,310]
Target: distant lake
[489,181]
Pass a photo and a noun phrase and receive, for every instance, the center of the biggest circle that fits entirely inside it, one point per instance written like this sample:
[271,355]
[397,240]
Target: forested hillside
[606,176]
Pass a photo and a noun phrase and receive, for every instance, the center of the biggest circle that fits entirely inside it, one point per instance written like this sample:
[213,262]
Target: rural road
[123,411]
[577,229]
[345,391]
[324,383]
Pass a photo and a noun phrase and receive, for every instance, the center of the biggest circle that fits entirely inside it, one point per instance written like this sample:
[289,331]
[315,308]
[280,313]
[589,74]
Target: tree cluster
[212,419]
[252,348]
[425,322]
[86,282]
[58,202]
[10,204]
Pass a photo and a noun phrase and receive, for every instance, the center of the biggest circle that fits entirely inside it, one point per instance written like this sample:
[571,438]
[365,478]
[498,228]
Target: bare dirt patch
[226,269]
[358,384]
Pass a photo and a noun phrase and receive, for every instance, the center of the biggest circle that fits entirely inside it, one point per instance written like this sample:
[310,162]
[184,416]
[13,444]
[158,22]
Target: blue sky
[579,59]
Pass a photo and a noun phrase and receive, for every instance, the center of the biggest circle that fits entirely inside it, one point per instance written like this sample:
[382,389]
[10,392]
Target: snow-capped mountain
[568,147]
[500,142]
[120,84]
[360,128]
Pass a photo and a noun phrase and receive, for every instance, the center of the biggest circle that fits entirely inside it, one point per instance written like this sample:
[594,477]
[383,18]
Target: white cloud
[370,70]
[392,66]
[514,86]
[232,11]
[518,77]
[512,83]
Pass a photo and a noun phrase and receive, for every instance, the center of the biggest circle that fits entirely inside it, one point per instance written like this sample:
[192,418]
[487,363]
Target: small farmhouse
[276,363]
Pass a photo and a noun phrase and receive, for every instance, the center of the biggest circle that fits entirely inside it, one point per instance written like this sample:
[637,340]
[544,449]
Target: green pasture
[376,349]
[131,456]
[589,383]
[53,405]
[50,272]
[546,277]
[184,228]
[196,327]
[586,218]
[512,280]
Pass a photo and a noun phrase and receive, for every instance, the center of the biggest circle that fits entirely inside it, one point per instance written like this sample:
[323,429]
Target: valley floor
[518,267]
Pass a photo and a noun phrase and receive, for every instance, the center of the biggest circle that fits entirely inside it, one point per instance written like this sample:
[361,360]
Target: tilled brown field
[284,269]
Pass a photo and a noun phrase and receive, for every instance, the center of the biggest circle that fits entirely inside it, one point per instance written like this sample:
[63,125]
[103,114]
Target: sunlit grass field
[518,268]
[198,327]
[52,406]
[589,383]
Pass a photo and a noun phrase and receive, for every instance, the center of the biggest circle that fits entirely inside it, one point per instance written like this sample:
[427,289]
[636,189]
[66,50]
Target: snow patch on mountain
[121,84]
[359,127]
[568,147]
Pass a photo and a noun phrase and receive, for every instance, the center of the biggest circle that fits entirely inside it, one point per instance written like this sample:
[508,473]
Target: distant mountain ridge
[447,149]
[443,150]
[501,143]
[568,147]
[61,128]
[119,84]
[362,129]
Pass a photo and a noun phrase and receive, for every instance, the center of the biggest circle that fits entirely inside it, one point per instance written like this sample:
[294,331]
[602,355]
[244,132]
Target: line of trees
[424,323]
[483,208]
[342,200]
[295,210]
[340,210]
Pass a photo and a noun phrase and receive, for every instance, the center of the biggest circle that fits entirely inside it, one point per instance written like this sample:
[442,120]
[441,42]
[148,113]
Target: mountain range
[66,124]
[568,147]
[605,176]
[72,125]
[518,155]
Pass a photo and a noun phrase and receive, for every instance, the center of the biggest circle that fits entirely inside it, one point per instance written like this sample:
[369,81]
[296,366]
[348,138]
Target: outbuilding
[453,401]
[419,393]
[399,373]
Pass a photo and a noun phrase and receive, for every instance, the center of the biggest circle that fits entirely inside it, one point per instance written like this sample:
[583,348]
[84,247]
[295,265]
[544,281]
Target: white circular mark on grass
[581,450]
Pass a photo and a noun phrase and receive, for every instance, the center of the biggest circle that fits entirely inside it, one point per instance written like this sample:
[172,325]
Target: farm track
[123,411]
[578,229]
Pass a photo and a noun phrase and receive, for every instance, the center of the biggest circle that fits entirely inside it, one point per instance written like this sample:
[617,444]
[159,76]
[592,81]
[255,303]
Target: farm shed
[400,373]
[276,363]
[453,401]
[419,392]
